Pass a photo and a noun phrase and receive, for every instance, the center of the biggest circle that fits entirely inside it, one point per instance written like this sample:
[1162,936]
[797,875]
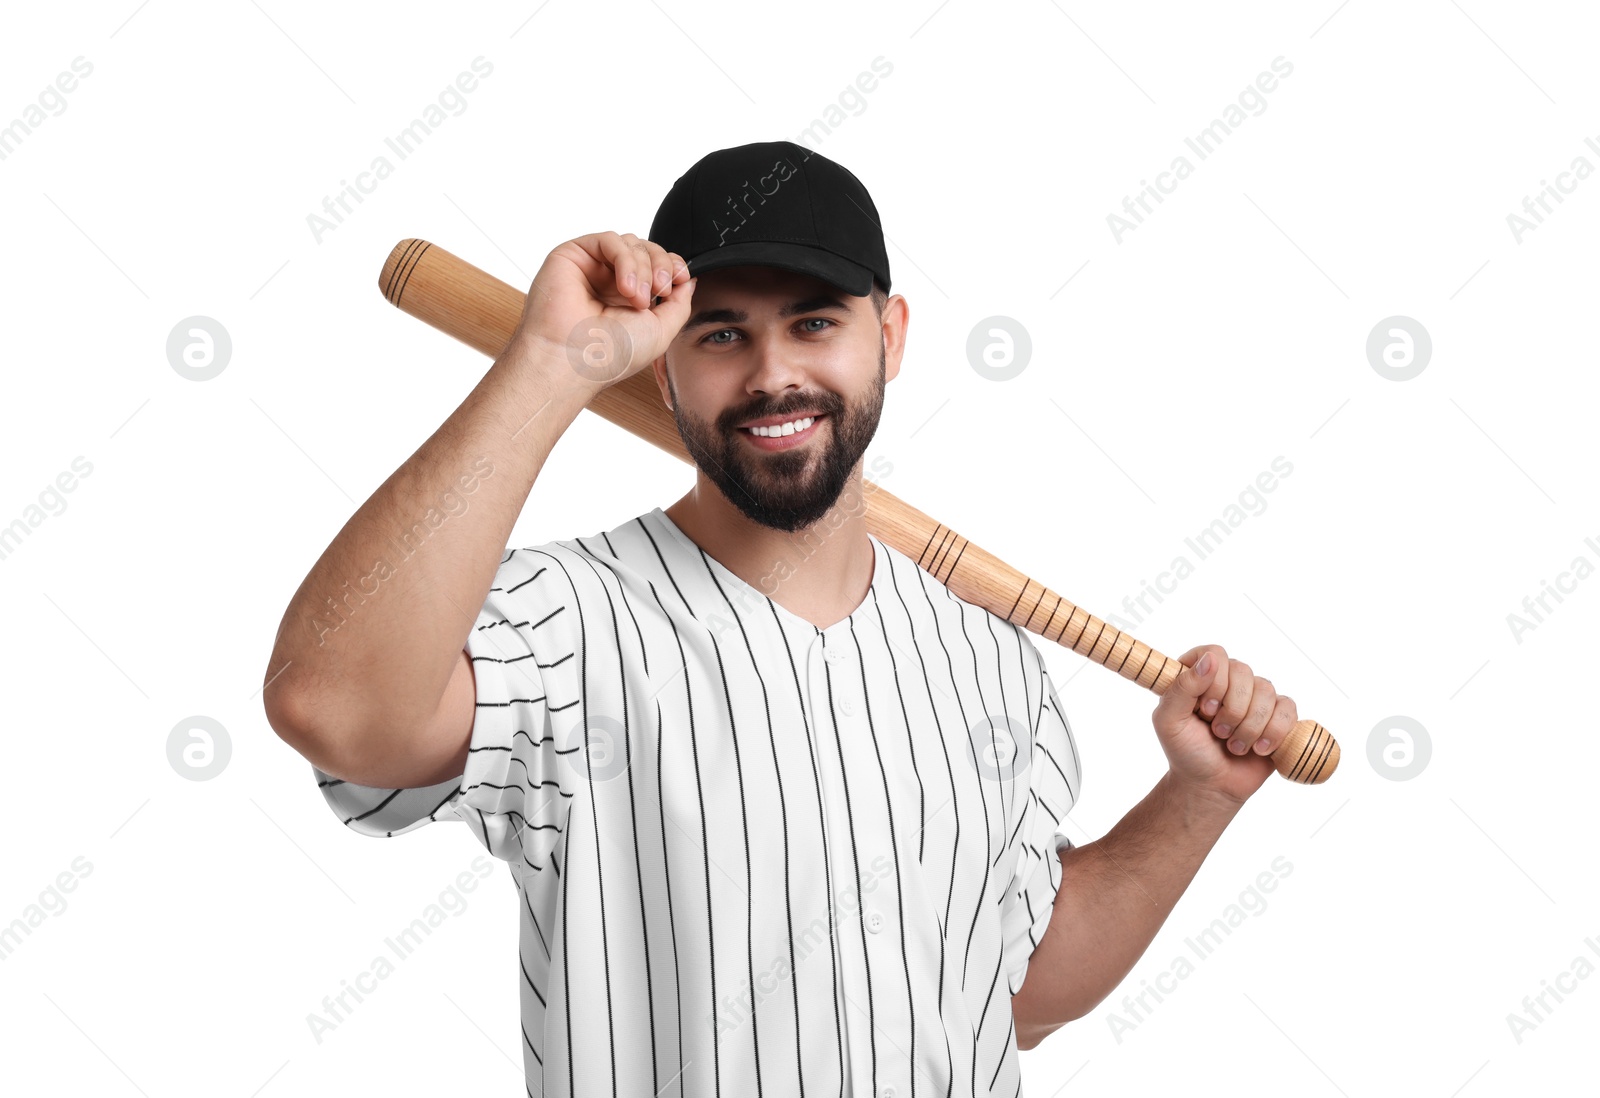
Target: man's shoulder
[609,542]
[627,546]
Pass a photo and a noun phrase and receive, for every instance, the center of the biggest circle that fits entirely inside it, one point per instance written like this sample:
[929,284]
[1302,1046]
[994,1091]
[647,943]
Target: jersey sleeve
[1053,784]
[518,784]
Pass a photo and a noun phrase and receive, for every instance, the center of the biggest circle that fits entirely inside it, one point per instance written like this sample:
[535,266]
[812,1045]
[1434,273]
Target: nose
[773,371]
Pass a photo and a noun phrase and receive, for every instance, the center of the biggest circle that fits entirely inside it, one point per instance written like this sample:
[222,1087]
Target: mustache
[824,403]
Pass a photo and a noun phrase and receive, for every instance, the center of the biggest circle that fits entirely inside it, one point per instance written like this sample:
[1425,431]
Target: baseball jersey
[754,856]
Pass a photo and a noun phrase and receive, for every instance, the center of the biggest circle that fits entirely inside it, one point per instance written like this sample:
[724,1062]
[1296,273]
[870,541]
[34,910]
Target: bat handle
[1308,754]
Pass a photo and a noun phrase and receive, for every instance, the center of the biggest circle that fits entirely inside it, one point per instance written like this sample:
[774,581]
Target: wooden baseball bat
[481,311]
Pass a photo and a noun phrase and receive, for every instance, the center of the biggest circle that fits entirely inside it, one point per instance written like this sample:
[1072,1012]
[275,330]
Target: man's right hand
[590,304]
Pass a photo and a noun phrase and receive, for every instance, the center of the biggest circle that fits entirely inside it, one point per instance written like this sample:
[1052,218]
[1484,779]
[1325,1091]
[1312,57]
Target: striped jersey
[754,856]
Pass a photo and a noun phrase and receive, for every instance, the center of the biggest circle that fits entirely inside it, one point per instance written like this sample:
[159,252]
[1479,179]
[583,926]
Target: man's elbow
[1036,1022]
[309,731]
[1063,1009]
[1029,1036]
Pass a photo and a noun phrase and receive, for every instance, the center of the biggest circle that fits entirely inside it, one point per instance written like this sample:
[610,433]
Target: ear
[659,367]
[896,319]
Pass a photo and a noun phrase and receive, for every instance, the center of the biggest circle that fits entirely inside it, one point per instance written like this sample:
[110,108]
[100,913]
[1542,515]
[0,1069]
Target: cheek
[706,403]
[840,372]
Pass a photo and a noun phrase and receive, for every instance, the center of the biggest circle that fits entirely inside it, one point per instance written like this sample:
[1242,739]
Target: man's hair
[880,297]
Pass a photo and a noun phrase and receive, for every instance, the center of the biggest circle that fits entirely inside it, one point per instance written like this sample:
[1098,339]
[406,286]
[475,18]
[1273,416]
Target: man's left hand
[1219,728]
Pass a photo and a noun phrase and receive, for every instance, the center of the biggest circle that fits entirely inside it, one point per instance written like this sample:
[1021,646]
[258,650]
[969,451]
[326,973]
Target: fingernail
[1263,747]
[1203,664]
[1210,705]
[1236,746]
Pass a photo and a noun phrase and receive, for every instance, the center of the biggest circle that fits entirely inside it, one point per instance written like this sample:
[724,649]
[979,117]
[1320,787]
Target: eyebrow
[822,301]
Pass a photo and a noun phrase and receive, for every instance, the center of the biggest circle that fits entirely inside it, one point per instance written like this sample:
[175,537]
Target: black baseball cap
[774,204]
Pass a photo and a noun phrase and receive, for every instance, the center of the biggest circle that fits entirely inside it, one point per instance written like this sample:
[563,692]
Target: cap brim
[835,270]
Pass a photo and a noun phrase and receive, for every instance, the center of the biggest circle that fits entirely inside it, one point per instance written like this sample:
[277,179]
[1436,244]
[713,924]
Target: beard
[792,489]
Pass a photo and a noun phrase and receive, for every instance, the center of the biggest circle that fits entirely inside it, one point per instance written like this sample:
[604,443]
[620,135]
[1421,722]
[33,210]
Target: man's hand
[609,303]
[1218,724]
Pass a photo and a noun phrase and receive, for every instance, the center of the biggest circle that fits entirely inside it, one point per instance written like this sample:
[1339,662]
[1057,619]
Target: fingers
[670,270]
[1211,700]
[1191,680]
[1235,700]
[1243,709]
[1284,717]
[655,269]
[1177,704]
[617,255]
[636,273]
[1261,721]
[1258,710]
[639,269]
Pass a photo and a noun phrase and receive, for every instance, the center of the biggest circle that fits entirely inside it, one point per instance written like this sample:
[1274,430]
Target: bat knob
[1308,754]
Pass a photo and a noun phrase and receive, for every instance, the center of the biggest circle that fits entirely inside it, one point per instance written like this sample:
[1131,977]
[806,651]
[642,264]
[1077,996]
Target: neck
[820,572]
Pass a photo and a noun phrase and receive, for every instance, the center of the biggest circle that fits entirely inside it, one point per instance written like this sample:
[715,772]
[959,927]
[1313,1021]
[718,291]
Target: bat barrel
[456,297]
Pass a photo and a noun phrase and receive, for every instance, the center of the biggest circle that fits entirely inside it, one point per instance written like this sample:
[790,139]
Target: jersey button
[887,1092]
[847,707]
[875,924]
[833,654]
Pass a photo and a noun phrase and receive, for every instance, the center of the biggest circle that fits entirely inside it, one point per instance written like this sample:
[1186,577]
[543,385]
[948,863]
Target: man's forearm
[1115,894]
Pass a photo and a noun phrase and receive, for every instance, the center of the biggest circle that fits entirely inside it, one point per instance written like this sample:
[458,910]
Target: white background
[1169,369]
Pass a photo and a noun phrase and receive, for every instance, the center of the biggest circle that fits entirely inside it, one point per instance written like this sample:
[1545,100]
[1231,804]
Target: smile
[784,435]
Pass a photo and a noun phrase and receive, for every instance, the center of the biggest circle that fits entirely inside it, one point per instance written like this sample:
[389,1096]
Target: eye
[713,340]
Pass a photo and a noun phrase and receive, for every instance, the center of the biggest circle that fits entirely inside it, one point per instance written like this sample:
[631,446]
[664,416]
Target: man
[783,813]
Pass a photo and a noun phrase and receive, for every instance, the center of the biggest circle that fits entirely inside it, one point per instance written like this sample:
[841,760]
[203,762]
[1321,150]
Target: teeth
[783,428]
